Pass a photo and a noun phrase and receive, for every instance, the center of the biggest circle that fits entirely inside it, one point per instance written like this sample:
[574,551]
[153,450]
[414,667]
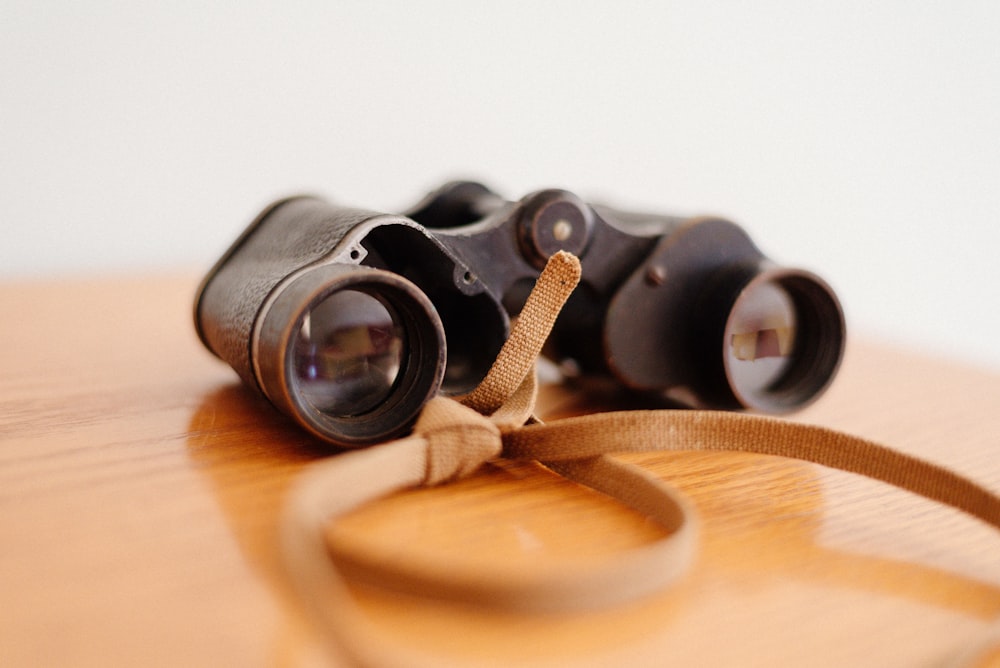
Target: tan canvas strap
[452,439]
[647,431]
[516,360]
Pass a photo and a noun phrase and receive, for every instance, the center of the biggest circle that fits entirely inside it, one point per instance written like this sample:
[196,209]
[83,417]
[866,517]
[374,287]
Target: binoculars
[349,320]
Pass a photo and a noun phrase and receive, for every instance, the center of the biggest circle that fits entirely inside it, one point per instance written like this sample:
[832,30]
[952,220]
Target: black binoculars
[350,320]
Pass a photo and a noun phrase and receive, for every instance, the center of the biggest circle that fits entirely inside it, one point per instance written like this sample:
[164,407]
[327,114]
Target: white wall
[858,139]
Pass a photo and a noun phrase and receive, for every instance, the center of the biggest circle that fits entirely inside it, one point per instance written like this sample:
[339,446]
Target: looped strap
[451,440]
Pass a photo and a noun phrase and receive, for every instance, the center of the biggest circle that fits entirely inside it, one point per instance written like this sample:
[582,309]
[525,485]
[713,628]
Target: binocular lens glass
[762,335]
[349,353]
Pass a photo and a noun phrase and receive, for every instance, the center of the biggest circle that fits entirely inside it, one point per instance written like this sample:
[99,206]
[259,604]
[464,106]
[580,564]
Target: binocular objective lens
[349,353]
[761,338]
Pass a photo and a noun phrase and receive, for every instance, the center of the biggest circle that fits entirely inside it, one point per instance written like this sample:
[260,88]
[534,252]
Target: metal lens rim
[818,349]
[422,364]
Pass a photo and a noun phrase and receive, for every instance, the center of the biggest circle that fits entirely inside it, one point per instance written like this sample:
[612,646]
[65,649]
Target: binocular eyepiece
[350,320]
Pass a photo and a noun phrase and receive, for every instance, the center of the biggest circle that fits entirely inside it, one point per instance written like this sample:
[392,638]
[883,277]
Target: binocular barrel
[305,308]
[350,320]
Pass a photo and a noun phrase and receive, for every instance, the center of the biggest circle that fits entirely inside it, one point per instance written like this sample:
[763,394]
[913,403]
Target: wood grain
[140,487]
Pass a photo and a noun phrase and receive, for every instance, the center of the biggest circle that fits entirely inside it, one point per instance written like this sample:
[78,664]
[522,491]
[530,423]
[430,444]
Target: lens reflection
[761,338]
[348,354]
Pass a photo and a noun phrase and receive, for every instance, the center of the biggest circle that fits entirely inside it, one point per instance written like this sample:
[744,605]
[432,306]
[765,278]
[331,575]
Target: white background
[858,139]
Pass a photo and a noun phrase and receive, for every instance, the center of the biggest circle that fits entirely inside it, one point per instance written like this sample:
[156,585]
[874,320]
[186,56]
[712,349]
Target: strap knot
[459,440]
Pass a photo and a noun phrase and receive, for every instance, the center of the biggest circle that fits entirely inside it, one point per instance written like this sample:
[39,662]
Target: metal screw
[562,229]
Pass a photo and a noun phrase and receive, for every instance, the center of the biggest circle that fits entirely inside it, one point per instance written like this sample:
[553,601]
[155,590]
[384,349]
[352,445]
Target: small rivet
[656,276]
[562,230]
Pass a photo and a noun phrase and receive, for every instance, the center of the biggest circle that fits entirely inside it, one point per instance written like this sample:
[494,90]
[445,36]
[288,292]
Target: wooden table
[140,487]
